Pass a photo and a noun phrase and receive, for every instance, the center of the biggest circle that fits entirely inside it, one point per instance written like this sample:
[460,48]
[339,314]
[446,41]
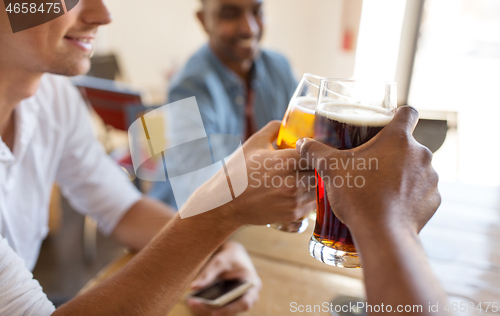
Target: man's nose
[249,26]
[95,12]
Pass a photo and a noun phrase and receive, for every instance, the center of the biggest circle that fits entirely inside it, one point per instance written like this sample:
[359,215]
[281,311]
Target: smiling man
[239,86]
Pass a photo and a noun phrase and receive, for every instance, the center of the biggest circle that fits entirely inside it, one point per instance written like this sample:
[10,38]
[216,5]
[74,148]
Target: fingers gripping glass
[348,114]
[297,123]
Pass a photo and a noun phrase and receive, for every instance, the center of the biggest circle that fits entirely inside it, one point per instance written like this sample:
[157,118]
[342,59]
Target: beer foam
[356,114]
[306,104]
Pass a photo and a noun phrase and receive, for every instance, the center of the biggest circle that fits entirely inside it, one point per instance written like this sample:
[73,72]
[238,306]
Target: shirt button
[240,100]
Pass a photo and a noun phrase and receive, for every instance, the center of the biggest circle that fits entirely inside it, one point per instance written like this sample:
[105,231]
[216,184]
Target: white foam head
[305,104]
[356,114]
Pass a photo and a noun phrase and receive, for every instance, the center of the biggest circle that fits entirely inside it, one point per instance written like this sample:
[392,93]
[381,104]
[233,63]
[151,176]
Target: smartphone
[221,292]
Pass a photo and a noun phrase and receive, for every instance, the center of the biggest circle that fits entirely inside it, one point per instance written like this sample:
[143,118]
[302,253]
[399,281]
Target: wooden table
[462,241]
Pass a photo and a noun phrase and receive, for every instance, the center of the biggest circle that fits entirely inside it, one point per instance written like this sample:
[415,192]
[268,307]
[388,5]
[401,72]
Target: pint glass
[348,114]
[297,123]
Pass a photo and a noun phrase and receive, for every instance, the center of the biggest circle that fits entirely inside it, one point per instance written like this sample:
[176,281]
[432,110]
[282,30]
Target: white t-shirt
[54,143]
[20,294]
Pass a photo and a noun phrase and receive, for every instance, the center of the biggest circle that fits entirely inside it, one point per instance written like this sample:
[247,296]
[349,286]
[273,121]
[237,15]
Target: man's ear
[200,15]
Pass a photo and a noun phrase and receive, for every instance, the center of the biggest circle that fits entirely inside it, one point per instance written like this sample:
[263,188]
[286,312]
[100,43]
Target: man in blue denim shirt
[238,86]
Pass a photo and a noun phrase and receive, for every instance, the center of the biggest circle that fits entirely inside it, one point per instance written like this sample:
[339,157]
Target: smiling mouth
[84,43]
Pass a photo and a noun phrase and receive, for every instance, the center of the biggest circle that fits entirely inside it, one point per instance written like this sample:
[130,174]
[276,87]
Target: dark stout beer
[342,126]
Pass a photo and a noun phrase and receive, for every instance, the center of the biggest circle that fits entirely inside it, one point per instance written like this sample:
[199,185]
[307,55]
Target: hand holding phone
[221,292]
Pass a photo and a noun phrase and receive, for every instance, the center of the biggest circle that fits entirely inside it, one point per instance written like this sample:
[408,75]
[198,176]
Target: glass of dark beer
[348,114]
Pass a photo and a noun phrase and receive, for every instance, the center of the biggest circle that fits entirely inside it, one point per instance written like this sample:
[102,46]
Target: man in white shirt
[45,137]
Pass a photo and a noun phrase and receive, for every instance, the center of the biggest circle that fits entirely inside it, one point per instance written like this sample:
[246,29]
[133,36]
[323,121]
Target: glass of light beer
[297,123]
[348,114]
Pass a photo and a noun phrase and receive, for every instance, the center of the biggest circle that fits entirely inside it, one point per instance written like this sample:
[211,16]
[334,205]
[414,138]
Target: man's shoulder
[196,70]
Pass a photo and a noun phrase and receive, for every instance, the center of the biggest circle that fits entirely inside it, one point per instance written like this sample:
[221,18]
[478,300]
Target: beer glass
[297,123]
[348,114]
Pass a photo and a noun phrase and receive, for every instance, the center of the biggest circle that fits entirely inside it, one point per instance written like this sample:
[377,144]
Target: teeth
[87,43]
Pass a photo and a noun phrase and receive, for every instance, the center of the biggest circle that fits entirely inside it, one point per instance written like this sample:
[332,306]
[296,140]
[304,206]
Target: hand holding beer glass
[297,123]
[348,114]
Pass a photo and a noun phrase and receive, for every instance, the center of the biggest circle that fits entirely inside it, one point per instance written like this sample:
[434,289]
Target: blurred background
[153,38]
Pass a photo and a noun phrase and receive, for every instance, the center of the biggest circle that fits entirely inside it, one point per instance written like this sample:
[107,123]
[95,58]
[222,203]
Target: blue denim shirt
[221,97]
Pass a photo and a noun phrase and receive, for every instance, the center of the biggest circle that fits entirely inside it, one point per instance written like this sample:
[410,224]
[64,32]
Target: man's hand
[402,192]
[278,185]
[230,262]
[386,214]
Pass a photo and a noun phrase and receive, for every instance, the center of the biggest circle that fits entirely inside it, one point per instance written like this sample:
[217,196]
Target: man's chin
[71,70]
[248,53]
[245,56]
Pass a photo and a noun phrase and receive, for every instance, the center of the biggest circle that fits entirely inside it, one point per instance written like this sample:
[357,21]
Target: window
[445,57]
[457,68]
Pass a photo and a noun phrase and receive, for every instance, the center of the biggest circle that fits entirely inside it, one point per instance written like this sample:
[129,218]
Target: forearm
[154,280]
[142,222]
[396,269]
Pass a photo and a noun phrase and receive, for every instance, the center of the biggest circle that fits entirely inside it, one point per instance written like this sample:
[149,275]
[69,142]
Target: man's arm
[152,283]
[396,269]
[155,279]
[142,222]
[387,213]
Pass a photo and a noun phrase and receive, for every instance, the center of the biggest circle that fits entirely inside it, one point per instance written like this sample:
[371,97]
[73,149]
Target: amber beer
[342,126]
[298,123]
